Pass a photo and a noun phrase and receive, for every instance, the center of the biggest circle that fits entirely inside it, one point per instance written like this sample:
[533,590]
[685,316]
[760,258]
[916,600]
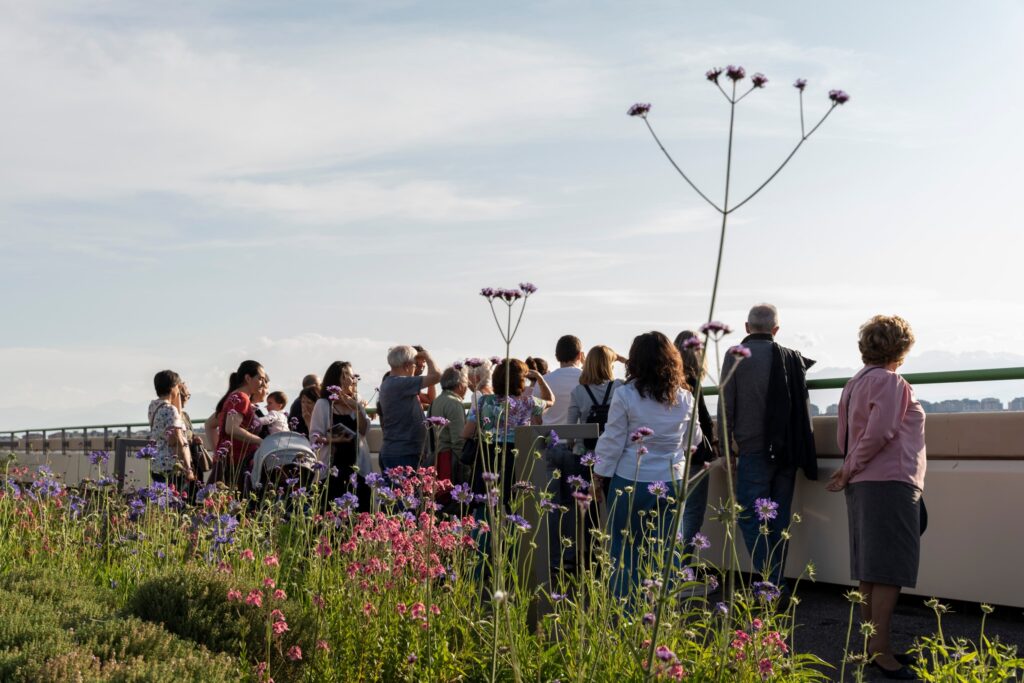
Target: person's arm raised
[433,375]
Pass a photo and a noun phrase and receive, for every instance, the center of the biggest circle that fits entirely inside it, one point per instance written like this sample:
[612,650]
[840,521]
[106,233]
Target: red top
[237,402]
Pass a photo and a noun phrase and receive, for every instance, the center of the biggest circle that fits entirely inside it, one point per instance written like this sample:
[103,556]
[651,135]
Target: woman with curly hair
[881,433]
[642,452]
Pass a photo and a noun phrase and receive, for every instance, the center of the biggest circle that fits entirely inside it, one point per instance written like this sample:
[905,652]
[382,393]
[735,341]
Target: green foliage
[56,628]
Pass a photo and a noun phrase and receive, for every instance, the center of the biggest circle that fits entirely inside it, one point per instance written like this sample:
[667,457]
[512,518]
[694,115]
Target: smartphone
[341,430]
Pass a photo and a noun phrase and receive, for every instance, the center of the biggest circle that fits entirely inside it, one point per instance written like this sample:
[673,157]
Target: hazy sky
[190,184]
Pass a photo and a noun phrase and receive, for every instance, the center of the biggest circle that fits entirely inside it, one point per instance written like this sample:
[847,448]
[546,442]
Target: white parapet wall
[974,490]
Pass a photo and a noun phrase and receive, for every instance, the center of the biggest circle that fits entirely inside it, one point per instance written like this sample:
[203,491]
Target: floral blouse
[489,414]
[163,417]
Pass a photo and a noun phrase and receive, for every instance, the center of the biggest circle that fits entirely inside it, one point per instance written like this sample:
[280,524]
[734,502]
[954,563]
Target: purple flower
[641,451]
[462,493]
[577,482]
[736,73]
[488,292]
[520,522]
[553,439]
[766,509]
[588,459]
[662,652]
[523,486]
[582,497]
[347,502]
[98,457]
[640,433]
[293,423]
[374,480]
[838,96]
[497,360]
[334,392]
[766,591]
[639,109]
[146,452]
[317,441]
[800,84]
[557,597]
[435,422]
[712,581]
[489,476]
[658,489]
[474,362]
[713,74]
[412,658]
[722,608]
[740,351]
[647,619]
[700,541]
[510,295]
[527,288]
[759,80]
[548,505]
[716,329]
[693,343]
[457,365]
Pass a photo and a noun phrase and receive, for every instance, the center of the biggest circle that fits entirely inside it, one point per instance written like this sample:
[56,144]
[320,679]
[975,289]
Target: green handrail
[943,377]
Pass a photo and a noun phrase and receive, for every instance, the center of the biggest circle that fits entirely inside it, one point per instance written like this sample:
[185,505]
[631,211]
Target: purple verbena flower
[457,365]
[736,73]
[713,74]
[435,421]
[474,362]
[639,109]
[333,392]
[715,329]
[759,80]
[527,288]
[497,360]
[640,433]
[487,292]
[739,351]
[800,84]
[838,96]
[693,343]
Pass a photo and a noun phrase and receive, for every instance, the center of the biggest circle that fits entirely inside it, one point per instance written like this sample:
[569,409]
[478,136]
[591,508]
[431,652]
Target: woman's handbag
[202,461]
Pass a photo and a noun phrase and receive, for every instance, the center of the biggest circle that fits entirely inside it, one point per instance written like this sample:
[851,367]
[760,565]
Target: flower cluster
[639,109]
[525,289]
[838,96]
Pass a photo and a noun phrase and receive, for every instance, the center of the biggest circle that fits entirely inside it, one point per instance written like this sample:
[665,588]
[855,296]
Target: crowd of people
[645,449]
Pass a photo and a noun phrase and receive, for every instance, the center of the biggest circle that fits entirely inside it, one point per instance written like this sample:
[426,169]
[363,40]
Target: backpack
[598,413]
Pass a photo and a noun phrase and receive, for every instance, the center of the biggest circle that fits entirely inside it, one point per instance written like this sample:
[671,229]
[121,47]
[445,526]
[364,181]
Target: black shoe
[901,674]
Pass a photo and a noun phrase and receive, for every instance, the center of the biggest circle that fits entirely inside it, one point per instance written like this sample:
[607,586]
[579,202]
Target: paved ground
[823,614]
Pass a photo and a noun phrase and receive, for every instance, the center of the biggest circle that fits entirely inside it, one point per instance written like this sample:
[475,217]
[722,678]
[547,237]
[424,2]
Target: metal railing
[125,430]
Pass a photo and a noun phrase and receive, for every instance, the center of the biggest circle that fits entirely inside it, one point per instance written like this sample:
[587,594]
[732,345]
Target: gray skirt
[885,532]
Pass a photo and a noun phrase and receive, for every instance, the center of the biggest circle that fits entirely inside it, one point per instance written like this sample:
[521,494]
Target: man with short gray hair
[401,419]
[766,411]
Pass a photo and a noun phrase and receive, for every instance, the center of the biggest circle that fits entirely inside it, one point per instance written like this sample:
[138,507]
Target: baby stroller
[284,462]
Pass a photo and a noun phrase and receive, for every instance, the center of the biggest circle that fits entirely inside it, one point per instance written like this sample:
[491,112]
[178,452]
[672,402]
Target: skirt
[885,532]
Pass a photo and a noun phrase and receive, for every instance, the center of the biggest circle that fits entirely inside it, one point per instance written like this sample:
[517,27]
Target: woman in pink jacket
[881,432]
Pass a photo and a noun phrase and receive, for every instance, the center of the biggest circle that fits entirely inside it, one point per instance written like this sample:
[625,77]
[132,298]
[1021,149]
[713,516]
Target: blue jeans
[693,512]
[626,555]
[756,477]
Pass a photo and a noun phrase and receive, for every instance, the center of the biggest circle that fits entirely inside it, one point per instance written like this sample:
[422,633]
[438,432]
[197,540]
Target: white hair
[763,318]
[480,376]
[401,355]
[452,377]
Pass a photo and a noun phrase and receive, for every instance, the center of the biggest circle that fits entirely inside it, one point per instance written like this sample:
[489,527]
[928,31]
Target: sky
[187,185]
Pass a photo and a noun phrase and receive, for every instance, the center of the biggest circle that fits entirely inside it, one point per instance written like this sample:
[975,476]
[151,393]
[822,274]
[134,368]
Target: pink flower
[323,548]
[764,667]
[369,609]
[255,598]
[739,351]
[277,615]
[279,627]
[715,329]
[319,601]
[280,595]
[295,653]
[247,555]
[269,583]
[401,608]
[640,433]
[639,109]
[322,645]
[234,595]
[270,561]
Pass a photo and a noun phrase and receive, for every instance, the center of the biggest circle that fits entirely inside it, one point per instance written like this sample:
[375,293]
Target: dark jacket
[704,451]
[788,433]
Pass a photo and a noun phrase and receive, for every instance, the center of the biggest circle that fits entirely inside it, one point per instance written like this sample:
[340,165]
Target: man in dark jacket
[768,419]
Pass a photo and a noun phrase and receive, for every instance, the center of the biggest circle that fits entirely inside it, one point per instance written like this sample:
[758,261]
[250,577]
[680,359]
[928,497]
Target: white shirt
[665,459]
[561,381]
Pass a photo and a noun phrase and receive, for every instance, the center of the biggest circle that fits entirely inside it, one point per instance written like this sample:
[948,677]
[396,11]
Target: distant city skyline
[188,185]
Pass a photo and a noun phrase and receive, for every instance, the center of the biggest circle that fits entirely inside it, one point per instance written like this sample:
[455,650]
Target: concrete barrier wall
[974,490]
